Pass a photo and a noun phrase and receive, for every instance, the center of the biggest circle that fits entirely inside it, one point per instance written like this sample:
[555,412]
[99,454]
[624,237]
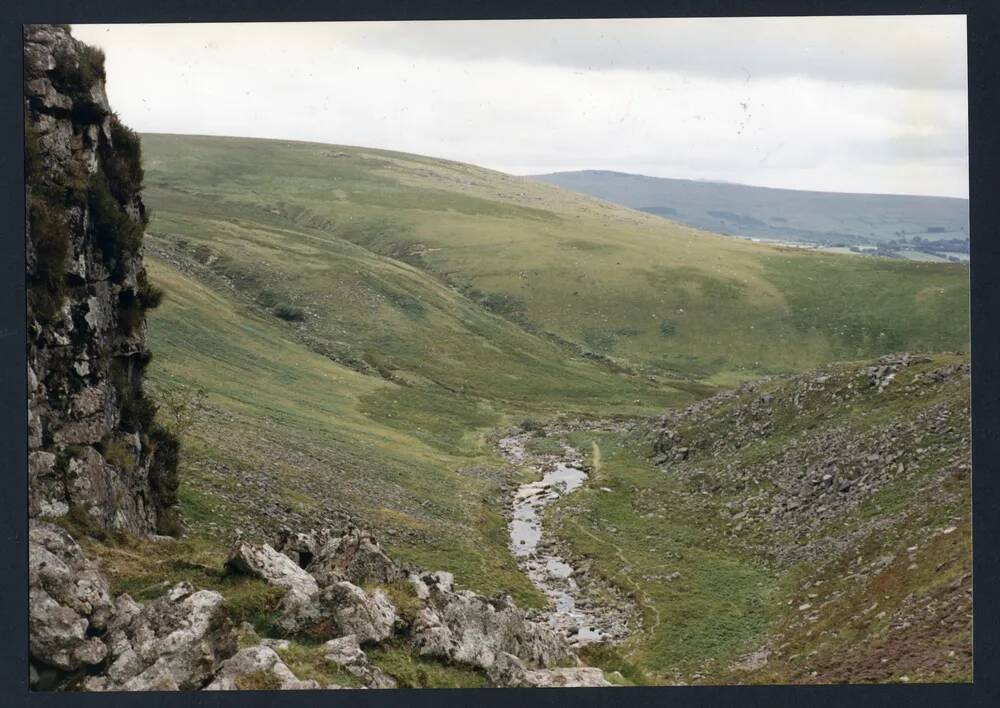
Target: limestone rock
[346,652]
[257,667]
[178,641]
[341,609]
[356,557]
[68,601]
[463,626]
[268,564]
[510,672]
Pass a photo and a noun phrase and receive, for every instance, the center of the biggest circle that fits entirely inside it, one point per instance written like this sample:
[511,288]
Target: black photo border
[983,20]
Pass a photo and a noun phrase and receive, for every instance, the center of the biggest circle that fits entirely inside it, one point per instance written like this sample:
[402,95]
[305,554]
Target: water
[549,572]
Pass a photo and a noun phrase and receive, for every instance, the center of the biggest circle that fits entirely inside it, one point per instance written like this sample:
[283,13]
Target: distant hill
[824,218]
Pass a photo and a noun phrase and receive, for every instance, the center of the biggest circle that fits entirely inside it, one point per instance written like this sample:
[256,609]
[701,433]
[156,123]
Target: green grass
[716,609]
[362,321]
[314,428]
[733,595]
[599,275]
[413,671]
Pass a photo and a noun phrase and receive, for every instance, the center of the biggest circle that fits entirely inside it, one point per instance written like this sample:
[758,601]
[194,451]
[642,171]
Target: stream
[574,612]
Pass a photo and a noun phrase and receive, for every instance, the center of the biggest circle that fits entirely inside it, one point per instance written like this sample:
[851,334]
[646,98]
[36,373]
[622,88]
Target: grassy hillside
[343,330]
[808,530]
[279,219]
[780,214]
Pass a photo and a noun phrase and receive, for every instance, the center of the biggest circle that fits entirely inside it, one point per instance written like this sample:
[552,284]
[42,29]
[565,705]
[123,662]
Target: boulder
[338,610]
[257,667]
[276,568]
[298,606]
[177,641]
[463,626]
[346,652]
[510,672]
[356,557]
[69,601]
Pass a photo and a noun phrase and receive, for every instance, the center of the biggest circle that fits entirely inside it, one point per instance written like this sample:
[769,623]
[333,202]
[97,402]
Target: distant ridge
[822,218]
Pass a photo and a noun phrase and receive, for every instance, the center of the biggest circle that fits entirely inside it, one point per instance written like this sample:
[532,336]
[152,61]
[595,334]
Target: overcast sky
[854,104]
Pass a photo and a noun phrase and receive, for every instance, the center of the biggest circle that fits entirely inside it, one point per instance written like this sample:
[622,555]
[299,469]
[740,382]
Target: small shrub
[502,303]
[150,296]
[130,312]
[122,161]
[51,238]
[289,313]
[531,426]
[118,454]
[258,681]
[136,411]
[75,77]
[118,236]
[163,470]
[667,329]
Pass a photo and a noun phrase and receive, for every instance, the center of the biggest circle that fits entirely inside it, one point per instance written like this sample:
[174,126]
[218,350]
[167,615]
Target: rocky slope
[851,486]
[338,591]
[93,447]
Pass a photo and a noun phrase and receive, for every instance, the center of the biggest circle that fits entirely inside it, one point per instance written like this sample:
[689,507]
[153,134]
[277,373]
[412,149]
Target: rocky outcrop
[462,626]
[70,603]
[92,442]
[178,641]
[819,473]
[451,625]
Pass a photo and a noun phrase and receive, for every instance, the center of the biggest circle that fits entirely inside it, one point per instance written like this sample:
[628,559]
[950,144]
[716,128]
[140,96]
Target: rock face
[178,641]
[69,602]
[92,444]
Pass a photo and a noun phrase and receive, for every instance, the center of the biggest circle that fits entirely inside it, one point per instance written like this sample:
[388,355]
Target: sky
[845,104]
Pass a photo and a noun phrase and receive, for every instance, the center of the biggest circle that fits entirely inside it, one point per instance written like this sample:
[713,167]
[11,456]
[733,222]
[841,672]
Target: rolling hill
[276,218]
[827,218]
[344,330]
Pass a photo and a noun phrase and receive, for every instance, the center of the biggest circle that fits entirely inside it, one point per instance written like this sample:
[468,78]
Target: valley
[349,333]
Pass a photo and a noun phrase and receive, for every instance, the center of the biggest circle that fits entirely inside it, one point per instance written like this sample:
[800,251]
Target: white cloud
[503,96]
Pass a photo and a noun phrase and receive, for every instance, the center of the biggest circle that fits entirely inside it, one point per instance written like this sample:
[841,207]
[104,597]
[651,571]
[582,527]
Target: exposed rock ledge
[335,590]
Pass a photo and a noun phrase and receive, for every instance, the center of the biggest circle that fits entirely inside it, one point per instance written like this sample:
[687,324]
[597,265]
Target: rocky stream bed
[583,607]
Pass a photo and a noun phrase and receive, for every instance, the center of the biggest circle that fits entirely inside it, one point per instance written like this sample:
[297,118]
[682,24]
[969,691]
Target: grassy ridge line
[671,299]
